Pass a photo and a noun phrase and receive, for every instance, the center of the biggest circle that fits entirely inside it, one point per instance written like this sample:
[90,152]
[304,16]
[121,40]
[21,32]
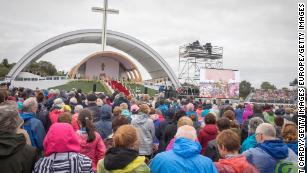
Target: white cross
[104,12]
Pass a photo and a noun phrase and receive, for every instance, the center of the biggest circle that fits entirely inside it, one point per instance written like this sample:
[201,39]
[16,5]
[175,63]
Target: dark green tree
[3,71]
[5,67]
[61,73]
[244,89]
[285,88]
[267,85]
[294,82]
[5,63]
[43,68]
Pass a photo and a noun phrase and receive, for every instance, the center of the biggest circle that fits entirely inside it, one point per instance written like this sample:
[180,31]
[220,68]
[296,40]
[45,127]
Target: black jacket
[212,151]
[43,115]
[96,111]
[15,155]
[119,101]
[167,131]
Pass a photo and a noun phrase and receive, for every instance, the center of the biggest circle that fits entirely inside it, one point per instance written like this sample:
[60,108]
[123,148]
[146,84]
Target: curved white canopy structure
[156,66]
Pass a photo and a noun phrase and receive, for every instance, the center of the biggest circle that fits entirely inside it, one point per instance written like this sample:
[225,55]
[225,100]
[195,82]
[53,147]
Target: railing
[43,78]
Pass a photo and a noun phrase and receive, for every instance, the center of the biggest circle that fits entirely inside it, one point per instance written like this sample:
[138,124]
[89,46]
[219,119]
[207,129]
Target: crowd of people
[273,96]
[44,131]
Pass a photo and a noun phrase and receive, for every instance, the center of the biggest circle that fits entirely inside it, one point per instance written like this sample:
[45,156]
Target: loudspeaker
[94,87]
[145,90]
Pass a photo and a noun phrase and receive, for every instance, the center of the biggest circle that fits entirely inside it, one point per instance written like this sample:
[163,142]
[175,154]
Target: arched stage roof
[156,66]
[124,60]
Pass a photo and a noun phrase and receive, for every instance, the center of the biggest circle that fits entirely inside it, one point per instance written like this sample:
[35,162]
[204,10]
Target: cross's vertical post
[104,25]
[104,12]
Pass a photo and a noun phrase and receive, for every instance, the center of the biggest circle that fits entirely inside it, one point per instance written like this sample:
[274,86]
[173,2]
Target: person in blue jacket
[239,114]
[250,141]
[184,157]
[104,125]
[32,125]
[269,151]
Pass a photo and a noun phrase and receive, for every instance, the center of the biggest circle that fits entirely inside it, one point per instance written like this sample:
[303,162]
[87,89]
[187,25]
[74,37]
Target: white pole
[104,25]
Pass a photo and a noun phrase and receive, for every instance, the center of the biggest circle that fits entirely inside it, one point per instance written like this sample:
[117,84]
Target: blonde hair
[117,111]
[125,136]
[144,108]
[184,121]
[123,106]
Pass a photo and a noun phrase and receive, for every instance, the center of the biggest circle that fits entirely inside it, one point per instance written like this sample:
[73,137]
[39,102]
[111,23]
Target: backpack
[164,109]
[43,116]
[284,166]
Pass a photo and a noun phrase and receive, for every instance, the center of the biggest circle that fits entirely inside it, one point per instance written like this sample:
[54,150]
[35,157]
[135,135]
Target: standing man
[32,125]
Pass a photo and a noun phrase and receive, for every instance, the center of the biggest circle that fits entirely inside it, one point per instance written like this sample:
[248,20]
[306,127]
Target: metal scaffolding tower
[193,57]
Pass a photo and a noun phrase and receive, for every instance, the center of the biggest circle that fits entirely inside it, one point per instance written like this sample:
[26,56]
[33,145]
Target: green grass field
[85,86]
[132,88]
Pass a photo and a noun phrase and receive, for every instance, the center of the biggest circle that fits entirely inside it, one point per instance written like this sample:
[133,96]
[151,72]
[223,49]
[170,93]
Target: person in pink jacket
[181,122]
[90,141]
[62,152]
[248,111]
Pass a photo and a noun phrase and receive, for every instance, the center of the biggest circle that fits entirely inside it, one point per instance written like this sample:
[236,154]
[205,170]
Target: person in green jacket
[269,116]
[124,156]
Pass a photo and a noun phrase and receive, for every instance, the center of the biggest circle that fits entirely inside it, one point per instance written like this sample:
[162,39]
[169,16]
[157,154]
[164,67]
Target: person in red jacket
[209,132]
[228,143]
[90,141]
[56,110]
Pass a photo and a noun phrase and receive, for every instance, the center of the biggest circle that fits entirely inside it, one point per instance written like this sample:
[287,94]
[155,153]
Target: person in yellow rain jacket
[124,156]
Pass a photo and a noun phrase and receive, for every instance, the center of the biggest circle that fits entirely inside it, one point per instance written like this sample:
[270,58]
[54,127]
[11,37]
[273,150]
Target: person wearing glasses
[271,153]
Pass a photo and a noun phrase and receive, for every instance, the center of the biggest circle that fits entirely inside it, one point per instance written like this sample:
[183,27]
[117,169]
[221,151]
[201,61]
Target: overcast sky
[258,36]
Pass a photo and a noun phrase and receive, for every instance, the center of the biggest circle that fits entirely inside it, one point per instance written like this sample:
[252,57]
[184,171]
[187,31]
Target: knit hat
[125,113]
[9,118]
[66,108]
[58,103]
[134,108]
[91,97]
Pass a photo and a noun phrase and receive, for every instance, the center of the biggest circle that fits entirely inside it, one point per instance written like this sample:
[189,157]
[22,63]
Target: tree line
[41,68]
[246,87]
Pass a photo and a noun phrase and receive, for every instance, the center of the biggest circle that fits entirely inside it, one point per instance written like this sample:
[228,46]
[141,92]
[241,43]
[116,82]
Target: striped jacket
[64,163]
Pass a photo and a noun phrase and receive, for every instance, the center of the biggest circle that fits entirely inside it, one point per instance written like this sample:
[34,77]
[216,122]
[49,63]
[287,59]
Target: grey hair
[78,108]
[28,104]
[9,118]
[57,92]
[254,123]
[187,132]
[268,130]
